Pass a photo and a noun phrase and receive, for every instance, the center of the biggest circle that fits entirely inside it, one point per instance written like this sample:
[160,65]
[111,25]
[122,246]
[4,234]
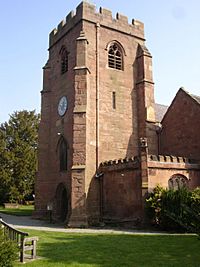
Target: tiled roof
[160,111]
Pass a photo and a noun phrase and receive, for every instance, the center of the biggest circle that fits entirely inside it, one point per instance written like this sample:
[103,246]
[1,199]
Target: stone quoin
[103,141]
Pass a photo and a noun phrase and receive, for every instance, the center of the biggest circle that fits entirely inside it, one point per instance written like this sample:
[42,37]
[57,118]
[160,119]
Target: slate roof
[160,111]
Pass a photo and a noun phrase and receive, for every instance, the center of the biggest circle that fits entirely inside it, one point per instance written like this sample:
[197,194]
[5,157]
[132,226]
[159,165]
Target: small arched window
[115,56]
[177,181]
[63,155]
[64,60]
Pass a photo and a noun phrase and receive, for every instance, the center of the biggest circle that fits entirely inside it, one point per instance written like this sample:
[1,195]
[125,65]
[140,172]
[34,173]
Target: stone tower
[97,102]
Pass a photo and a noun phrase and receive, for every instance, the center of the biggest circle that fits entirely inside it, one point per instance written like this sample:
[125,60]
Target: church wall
[145,98]
[117,127]
[121,191]
[162,168]
[52,126]
[181,128]
[94,130]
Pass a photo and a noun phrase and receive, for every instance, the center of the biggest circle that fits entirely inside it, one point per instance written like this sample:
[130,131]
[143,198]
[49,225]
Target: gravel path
[27,222]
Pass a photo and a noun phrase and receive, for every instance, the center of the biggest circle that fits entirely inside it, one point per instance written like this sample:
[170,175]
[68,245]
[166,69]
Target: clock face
[62,106]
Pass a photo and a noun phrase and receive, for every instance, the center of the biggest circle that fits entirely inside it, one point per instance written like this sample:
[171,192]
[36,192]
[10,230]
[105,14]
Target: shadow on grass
[118,250]
[23,210]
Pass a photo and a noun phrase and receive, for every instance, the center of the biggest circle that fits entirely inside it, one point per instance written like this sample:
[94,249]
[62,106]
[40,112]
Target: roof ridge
[193,96]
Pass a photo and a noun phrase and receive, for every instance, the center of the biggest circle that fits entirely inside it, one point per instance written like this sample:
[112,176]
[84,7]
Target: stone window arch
[64,54]
[177,181]
[115,56]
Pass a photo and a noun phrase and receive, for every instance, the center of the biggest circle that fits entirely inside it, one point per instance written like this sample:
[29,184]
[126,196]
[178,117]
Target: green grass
[23,210]
[112,250]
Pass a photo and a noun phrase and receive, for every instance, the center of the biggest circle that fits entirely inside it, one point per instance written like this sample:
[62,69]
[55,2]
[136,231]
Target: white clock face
[62,106]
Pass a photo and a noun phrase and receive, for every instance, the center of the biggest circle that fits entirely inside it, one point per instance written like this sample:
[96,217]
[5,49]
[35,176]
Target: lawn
[115,250]
[23,210]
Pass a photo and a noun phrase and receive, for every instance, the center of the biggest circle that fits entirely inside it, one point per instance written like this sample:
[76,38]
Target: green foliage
[177,210]
[8,251]
[18,156]
[153,204]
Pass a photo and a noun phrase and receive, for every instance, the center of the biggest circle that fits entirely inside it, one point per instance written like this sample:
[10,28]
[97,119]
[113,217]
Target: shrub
[153,205]
[177,210]
[8,251]
[174,213]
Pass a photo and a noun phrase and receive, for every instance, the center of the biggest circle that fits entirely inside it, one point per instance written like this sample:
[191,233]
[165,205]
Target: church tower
[97,102]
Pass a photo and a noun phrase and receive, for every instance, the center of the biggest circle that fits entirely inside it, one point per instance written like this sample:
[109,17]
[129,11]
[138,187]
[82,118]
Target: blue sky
[172,31]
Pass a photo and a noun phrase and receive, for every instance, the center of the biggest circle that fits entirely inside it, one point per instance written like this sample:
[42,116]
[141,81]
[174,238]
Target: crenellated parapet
[171,159]
[86,11]
[119,161]
[119,164]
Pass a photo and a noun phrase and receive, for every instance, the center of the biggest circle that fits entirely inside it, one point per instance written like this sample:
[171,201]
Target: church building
[102,145]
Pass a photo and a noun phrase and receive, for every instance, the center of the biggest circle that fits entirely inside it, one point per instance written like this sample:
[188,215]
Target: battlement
[86,11]
[171,159]
[120,164]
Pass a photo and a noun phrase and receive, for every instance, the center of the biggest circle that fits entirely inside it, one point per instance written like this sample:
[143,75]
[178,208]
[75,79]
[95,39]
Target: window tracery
[177,181]
[64,60]
[115,57]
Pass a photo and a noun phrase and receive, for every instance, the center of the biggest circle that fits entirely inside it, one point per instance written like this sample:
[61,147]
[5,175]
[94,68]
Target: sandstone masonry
[98,130]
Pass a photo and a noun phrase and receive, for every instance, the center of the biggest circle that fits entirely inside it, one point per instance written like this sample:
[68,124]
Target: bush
[175,206]
[8,251]
[177,210]
[154,205]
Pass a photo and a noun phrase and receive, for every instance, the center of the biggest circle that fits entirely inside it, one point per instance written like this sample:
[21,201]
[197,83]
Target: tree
[4,169]
[18,155]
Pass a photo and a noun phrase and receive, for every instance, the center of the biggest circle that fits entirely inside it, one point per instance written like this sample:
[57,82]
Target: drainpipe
[97,124]
[97,95]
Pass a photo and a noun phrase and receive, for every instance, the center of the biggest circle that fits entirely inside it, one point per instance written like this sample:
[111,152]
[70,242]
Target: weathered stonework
[110,115]
[161,168]
[181,127]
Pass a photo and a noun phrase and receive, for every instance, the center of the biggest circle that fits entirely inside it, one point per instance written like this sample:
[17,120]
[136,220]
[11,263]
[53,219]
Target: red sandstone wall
[181,128]
[145,99]
[121,195]
[160,171]
[117,127]
[55,86]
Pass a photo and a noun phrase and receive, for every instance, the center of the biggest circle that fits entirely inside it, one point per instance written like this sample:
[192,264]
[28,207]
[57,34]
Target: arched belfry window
[63,147]
[115,56]
[177,181]
[64,60]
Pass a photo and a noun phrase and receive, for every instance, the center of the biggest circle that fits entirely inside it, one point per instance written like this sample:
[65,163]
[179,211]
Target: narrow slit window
[114,100]
[63,155]
[115,59]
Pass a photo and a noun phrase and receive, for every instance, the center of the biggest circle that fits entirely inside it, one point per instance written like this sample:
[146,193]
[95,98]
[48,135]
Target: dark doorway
[64,205]
[61,203]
